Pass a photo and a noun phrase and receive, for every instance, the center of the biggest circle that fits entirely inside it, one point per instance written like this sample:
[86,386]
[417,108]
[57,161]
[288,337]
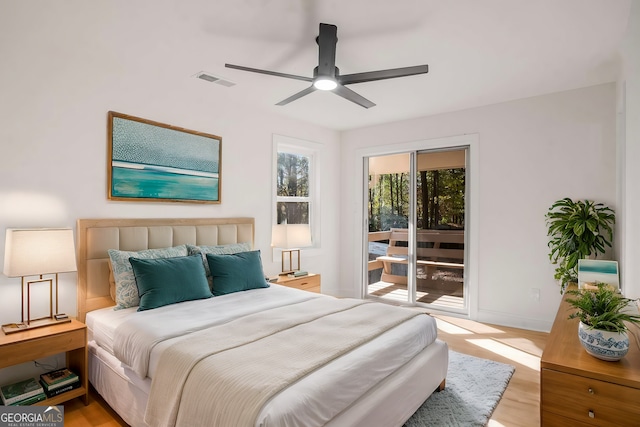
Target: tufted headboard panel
[96,236]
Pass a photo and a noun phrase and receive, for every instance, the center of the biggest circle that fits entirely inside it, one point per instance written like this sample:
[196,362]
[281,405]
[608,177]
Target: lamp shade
[288,236]
[30,252]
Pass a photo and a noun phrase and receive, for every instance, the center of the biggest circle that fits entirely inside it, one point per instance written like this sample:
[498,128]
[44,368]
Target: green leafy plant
[577,230]
[602,309]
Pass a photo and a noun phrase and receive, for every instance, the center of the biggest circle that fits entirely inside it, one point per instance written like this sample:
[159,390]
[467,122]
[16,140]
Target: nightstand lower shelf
[69,338]
[63,397]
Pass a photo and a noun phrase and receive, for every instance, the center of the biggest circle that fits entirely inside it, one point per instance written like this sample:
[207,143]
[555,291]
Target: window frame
[291,145]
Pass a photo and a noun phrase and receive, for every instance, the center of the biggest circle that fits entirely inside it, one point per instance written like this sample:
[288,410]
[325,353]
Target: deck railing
[430,252]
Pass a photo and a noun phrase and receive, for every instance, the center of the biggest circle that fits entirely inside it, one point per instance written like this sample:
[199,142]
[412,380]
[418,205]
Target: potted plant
[577,229]
[602,313]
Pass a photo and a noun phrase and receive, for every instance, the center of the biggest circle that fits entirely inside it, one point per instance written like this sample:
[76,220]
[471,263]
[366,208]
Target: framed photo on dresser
[593,271]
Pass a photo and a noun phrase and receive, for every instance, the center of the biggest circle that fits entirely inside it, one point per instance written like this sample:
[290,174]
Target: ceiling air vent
[214,79]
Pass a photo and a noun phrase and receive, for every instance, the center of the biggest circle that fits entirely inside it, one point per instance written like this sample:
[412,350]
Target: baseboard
[504,319]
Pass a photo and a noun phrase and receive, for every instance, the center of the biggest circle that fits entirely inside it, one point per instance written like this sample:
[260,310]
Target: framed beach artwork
[151,161]
[593,271]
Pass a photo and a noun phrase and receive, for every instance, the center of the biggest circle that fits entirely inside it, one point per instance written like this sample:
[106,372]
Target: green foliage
[577,230]
[293,175]
[388,201]
[440,199]
[601,309]
[390,220]
[293,181]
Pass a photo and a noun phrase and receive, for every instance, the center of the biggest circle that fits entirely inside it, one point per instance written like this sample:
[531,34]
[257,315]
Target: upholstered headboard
[96,236]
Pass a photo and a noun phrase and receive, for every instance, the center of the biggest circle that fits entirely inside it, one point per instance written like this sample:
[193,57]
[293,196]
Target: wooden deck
[439,269]
[439,295]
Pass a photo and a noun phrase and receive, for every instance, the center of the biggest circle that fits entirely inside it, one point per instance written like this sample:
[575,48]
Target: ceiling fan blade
[270,73]
[327,40]
[295,96]
[383,74]
[347,93]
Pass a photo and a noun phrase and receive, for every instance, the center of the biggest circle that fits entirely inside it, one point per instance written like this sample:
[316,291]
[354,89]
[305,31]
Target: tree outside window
[440,200]
[292,180]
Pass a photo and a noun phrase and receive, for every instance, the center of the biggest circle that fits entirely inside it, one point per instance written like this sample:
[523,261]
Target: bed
[374,365]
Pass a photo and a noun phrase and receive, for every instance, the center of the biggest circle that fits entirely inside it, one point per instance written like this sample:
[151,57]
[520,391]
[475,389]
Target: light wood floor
[519,406]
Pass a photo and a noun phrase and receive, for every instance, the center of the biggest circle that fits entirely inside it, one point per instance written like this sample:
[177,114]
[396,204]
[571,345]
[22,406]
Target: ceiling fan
[326,76]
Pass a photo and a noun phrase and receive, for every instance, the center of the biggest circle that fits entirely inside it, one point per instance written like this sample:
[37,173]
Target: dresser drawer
[36,348]
[309,283]
[589,401]
[549,419]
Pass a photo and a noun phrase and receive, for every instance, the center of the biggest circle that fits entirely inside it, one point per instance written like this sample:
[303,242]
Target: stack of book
[26,392]
[59,381]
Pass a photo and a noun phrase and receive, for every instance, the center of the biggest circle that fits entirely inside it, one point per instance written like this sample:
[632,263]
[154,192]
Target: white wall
[59,77]
[61,71]
[531,152]
[628,155]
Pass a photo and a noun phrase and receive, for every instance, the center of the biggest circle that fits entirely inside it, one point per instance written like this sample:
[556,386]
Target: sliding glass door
[416,207]
[389,209]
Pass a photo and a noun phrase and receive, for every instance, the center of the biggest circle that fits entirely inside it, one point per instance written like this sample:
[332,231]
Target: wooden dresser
[576,389]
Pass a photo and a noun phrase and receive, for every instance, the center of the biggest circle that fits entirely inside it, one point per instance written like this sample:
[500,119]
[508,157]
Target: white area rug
[473,389]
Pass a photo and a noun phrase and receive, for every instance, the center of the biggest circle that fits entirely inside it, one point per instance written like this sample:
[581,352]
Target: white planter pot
[605,345]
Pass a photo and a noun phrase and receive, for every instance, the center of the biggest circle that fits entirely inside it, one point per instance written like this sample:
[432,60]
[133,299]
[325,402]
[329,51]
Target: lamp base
[285,273]
[11,328]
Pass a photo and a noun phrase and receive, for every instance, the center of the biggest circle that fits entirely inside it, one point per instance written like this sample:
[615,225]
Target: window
[292,189]
[295,183]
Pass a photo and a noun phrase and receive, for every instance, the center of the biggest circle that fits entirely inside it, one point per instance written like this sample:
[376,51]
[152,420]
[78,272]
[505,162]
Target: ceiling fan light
[325,83]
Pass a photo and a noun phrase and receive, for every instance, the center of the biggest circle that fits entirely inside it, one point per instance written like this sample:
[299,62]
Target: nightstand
[310,282]
[69,338]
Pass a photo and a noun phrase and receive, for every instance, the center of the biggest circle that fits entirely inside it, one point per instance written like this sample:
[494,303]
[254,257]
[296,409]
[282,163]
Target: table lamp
[290,238]
[38,252]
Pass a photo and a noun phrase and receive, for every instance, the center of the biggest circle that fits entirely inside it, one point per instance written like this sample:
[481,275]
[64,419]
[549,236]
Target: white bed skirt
[410,385]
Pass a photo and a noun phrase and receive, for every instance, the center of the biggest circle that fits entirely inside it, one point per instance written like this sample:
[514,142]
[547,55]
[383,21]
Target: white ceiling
[479,52]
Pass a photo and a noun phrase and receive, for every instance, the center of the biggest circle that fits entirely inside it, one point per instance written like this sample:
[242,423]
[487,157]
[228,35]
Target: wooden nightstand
[310,282]
[69,338]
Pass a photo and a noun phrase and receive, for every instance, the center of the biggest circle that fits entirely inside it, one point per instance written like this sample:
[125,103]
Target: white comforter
[140,338]
[136,337]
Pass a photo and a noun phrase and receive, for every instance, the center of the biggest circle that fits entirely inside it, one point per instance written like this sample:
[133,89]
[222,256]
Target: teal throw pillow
[165,281]
[236,272]
[231,248]
[126,291]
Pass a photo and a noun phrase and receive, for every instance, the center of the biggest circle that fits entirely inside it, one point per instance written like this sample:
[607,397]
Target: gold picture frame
[156,162]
